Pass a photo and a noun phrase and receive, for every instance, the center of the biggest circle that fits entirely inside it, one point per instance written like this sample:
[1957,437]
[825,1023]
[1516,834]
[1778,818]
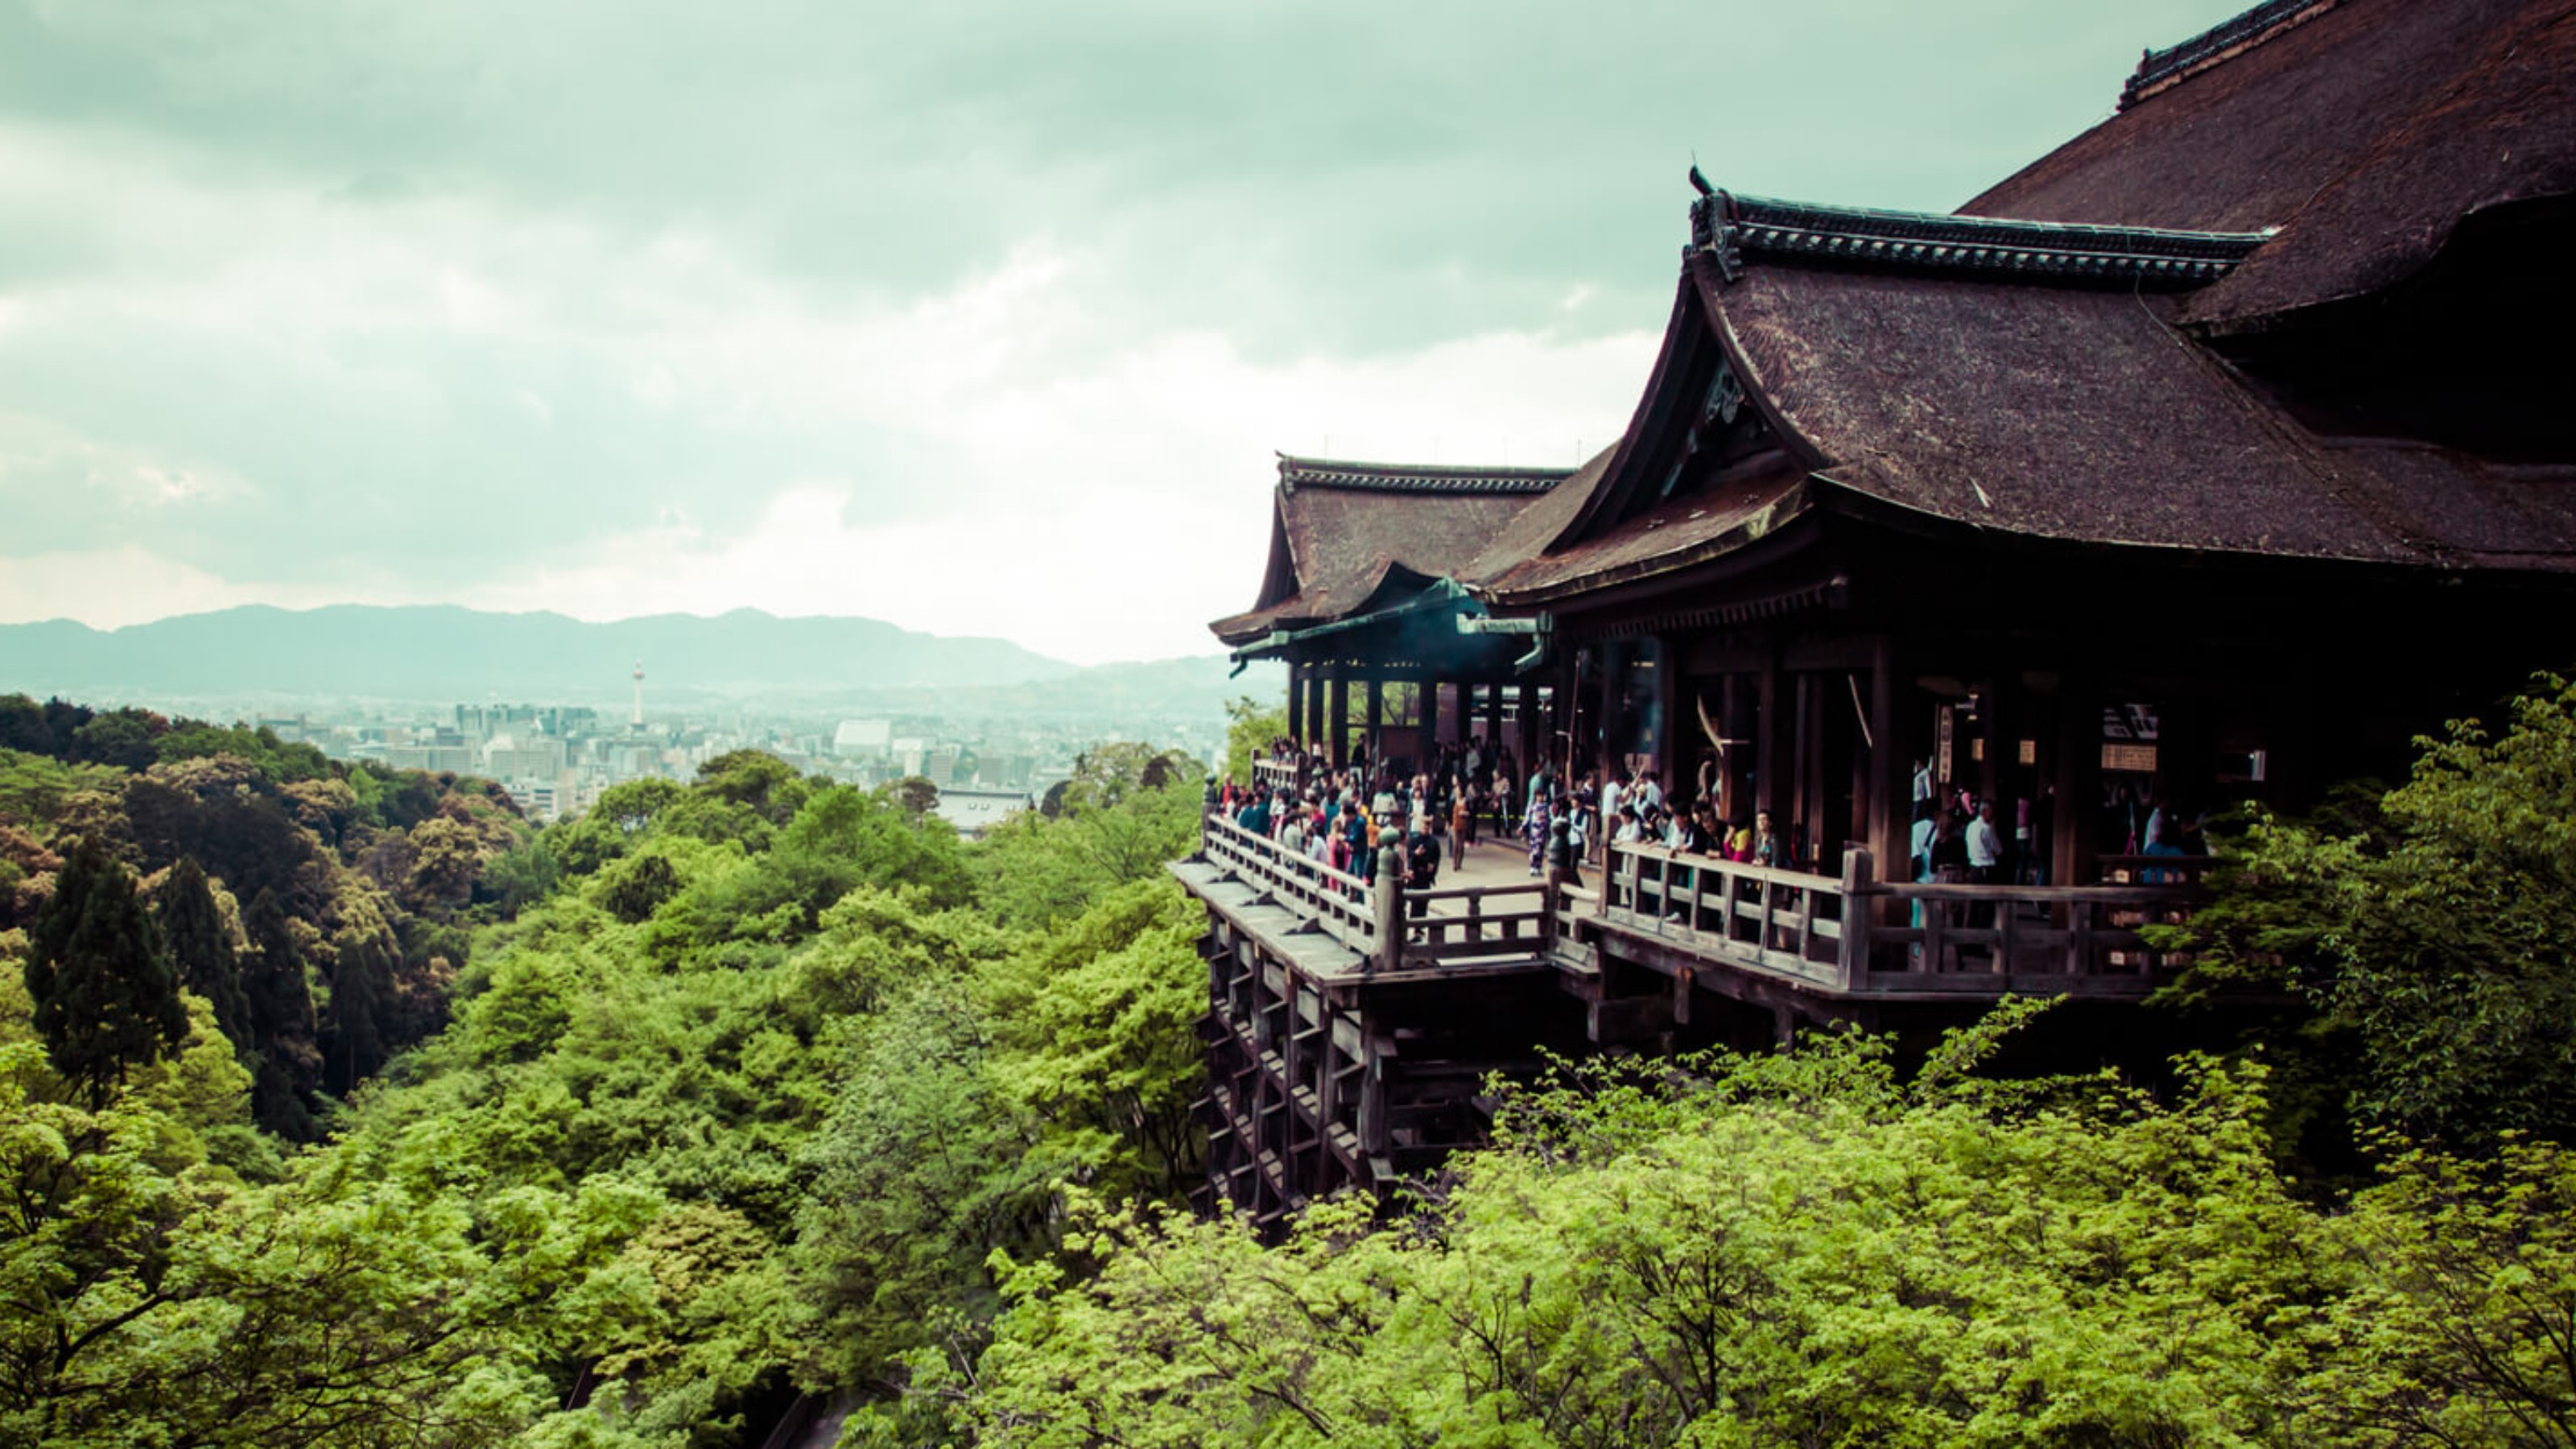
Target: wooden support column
[1372,731]
[1891,779]
[1297,704]
[1429,710]
[2078,780]
[1340,710]
[1990,728]
[1734,725]
[1493,722]
[1682,775]
[1608,746]
[1314,708]
[1802,826]
[1526,744]
[1771,748]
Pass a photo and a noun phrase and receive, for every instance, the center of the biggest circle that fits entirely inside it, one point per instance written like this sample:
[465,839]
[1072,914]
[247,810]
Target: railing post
[1390,907]
[1550,885]
[1852,954]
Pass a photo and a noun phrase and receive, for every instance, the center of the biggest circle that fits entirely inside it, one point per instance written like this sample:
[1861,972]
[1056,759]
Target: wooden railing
[1336,902]
[1782,922]
[1847,935]
[1278,775]
[1854,935]
[1392,927]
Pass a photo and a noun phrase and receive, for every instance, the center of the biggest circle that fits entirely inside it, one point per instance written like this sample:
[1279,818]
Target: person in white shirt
[1985,847]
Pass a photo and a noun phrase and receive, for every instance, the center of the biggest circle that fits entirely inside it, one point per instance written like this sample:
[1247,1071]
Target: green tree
[636,887]
[1039,869]
[2436,928]
[106,998]
[754,778]
[362,986]
[917,795]
[281,1018]
[1249,729]
[201,946]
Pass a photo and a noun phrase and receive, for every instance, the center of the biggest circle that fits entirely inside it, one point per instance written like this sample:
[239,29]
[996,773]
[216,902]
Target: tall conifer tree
[281,1017]
[201,947]
[105,995]
[361,985]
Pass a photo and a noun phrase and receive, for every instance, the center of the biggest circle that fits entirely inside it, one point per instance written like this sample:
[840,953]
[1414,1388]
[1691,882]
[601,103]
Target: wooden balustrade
[1278,774]
[1337,902]
[1848,935]
[1854,935]
[1394,928]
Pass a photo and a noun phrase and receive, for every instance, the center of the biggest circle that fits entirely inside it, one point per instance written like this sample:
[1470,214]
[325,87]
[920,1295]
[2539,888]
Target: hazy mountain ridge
[444,652]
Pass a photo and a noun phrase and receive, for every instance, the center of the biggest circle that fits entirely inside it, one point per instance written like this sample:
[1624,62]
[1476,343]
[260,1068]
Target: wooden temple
[2210,458]
[1361,600]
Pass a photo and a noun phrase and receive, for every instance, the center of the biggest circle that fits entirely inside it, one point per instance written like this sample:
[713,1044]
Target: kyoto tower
[635,720]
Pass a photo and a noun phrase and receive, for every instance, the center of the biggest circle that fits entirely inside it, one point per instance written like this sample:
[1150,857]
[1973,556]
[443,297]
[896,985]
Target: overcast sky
[983,319]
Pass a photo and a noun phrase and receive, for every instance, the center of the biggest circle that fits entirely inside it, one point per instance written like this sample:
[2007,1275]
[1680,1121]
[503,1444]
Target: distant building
[975,811]
[509,756]
[437,759]
[863,739]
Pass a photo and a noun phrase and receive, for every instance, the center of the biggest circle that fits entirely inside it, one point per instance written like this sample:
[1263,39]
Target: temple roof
[1729,226]
[2365,130]
[1346,536]
[1966,397]
[2047,364]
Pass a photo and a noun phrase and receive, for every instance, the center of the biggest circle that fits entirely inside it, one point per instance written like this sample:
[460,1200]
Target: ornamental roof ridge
[2160,69]
[1728,226]
[1296,472]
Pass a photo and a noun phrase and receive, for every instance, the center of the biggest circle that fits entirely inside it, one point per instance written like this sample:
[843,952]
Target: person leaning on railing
[1421,870]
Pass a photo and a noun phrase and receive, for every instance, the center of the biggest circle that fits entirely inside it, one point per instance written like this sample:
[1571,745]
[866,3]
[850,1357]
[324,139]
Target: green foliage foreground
[2435,927]
[743,1103]
[775,1086]
[1803,1250]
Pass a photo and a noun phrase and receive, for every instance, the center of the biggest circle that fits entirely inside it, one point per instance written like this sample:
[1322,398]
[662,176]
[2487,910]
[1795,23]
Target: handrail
[1389,926]
[1858,935]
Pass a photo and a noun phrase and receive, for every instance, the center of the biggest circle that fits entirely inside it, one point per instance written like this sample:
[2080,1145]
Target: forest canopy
[629,1131]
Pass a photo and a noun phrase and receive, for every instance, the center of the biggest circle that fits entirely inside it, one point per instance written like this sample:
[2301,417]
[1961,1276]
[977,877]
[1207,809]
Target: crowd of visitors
[1340,816]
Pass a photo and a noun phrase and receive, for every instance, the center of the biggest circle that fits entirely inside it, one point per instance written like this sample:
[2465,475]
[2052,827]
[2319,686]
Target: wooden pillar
[1733,725]
[1770,762]
[1891,755]
[1340,710]
[1991,707]
[1608,746]
[1314,707]
[1376,717]
[1680,774]
[1430,725]
[1528,747]
[1297,704]
[2079,782]
[1493,721]
[1800,828]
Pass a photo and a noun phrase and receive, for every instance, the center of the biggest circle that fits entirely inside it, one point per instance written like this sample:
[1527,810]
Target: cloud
[304,299]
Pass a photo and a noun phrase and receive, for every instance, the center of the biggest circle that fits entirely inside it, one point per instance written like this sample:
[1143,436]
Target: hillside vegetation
[762,1085]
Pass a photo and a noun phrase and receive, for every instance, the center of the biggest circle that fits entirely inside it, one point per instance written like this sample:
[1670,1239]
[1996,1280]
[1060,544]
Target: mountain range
[440,652]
